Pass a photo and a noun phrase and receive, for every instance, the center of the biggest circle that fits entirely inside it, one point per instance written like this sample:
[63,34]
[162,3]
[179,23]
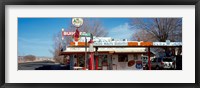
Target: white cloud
[121,32]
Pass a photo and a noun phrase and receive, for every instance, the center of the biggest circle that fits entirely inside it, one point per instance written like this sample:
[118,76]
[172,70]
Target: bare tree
[142,35]
[57,48]
[89,26]
[29,58]
[159,29]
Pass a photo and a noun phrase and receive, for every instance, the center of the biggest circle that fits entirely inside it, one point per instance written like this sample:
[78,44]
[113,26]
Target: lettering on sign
[72,33]
[69,33]
[167,43]
[106,43]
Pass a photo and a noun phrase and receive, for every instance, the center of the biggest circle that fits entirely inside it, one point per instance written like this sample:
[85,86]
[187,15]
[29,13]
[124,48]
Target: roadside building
[109,54]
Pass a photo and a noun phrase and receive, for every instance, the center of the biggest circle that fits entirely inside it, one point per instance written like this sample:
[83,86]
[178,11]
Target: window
[122,58]
[80,60]
[102,59]
[135,56]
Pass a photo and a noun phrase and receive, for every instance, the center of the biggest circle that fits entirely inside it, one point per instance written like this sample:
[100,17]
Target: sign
[112,43]
[167,43]
[72,33]
[138,65]
[77,22]
[131,63]
[85,34]
[108,41]
[76,35]
[68,33]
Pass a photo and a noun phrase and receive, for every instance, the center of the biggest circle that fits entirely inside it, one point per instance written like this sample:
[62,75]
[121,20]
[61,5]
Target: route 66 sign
[77,22]
[138,64]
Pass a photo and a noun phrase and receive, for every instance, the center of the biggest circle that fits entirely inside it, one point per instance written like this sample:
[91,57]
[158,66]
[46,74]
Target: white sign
[77,22]
[107,41]
[167,43]
[111,43]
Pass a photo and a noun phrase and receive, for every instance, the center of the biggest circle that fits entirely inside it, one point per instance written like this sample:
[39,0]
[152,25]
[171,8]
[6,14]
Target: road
[39,65]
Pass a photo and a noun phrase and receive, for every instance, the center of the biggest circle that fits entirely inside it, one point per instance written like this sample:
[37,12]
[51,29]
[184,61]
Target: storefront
[105,53]
[113,58]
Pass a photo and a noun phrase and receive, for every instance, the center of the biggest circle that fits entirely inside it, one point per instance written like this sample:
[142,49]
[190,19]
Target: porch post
[149,61]
[91,65]
[97,65]
[71,62]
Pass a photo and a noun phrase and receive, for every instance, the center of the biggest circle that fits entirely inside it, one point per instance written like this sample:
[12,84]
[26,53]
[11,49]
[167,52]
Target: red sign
[76,35]
[68,33]
[131,63]
[71,33]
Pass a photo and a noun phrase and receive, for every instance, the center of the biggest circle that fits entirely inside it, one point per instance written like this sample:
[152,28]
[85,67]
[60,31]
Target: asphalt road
[35,65]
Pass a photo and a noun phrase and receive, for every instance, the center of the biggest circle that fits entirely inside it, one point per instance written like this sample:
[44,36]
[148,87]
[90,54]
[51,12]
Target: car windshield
[167,59]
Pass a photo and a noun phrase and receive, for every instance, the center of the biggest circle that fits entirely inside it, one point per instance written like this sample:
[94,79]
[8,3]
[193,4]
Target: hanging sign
[85,34]
[77,22]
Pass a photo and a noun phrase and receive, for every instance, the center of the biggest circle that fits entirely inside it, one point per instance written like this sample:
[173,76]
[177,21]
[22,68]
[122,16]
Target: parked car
[161,63]
[156,63]
[169,62]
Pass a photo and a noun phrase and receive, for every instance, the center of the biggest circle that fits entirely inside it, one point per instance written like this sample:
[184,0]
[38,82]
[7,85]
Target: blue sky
[35,35]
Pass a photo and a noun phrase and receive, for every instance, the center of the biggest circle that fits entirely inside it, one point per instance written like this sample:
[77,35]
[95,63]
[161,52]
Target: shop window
[80,60]
[100,62]
[135,56]
[102,59]
[122,58]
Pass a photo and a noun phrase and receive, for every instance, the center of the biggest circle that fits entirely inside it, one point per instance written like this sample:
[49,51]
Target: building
[109,54]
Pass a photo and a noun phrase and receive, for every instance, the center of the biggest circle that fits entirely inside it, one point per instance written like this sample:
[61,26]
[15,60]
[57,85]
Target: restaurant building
[110,54]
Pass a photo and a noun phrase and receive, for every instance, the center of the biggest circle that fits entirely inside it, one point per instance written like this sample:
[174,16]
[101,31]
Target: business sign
[107,41]
[82,34]
[72,33]
[85,35]
[111,43]
[167,43]
[68,33]
[77,22]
